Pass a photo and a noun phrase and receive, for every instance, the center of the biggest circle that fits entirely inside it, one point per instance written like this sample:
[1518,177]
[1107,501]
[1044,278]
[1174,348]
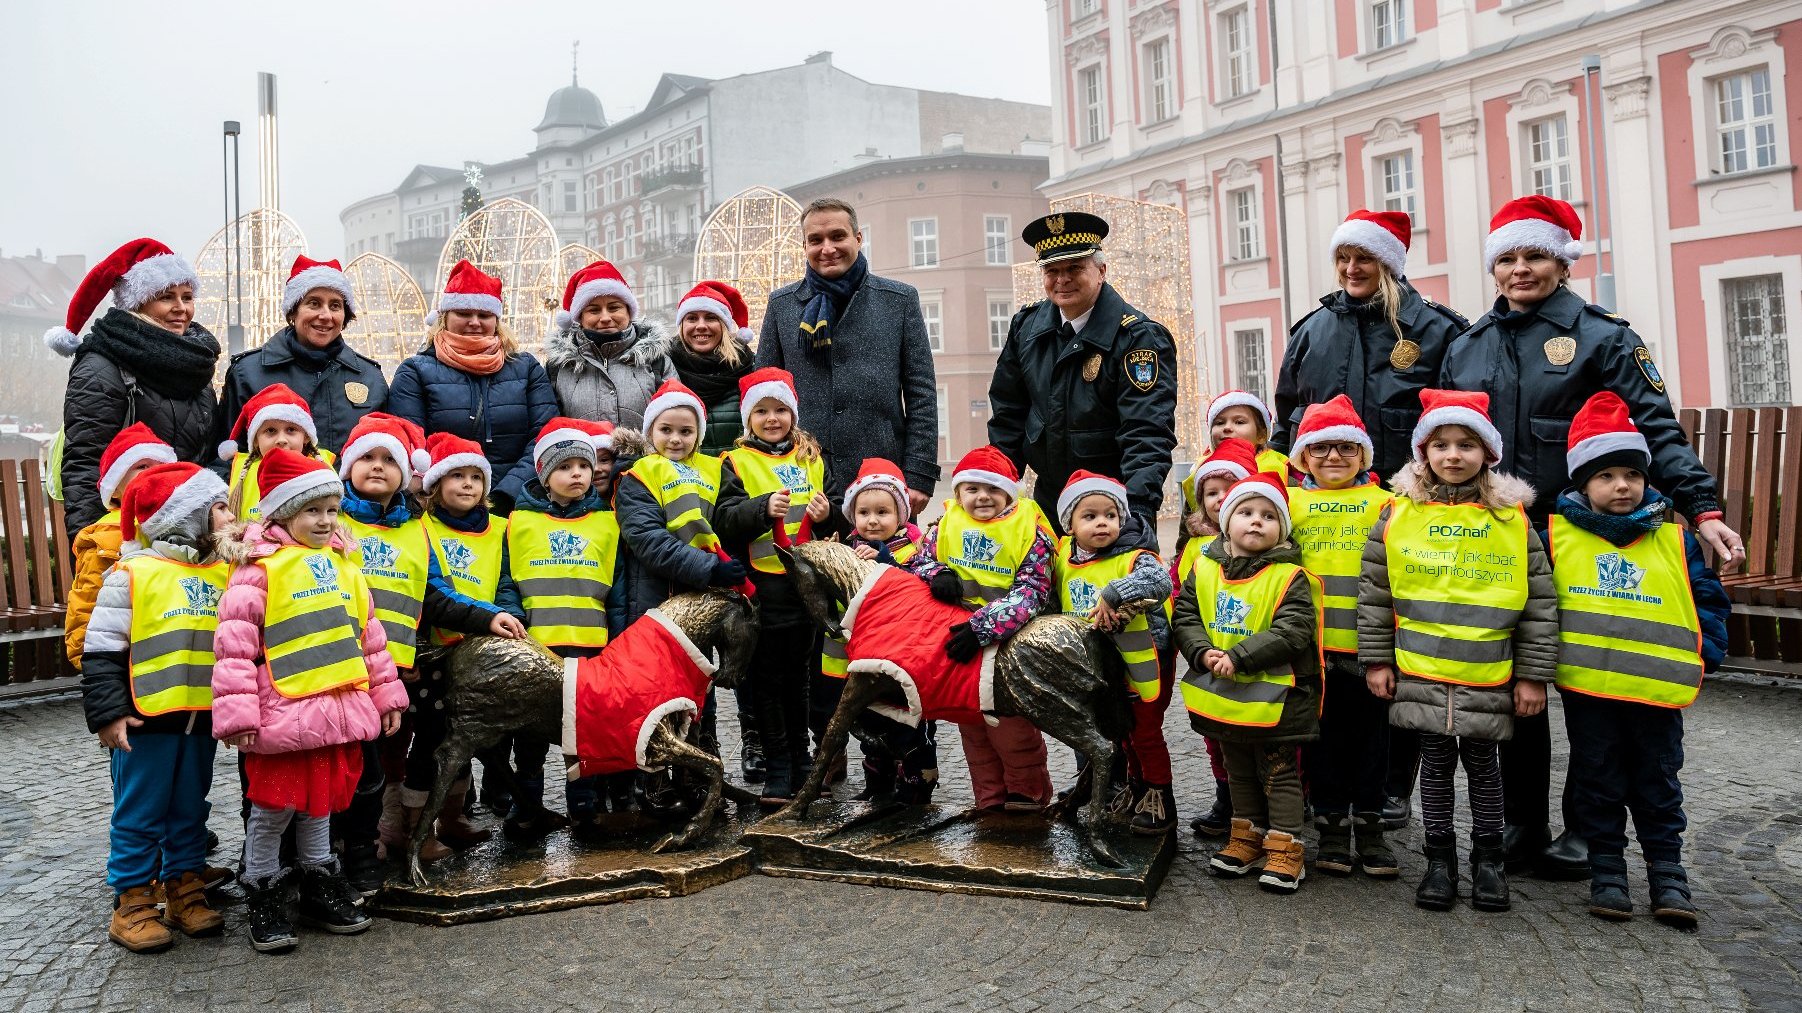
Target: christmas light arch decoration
[513,241]
[390,323]
[752,241]
[264,242]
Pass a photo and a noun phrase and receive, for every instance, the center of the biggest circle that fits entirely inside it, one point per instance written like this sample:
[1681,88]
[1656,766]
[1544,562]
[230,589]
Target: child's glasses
[1322,451]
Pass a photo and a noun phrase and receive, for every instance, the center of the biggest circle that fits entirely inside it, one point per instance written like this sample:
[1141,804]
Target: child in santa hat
[994,553]
[96,546]
[1458,625]
[1248,624]
[302,677]
[1233,414]
[275,417]
[1642,617]
[147,691]
[1096,575]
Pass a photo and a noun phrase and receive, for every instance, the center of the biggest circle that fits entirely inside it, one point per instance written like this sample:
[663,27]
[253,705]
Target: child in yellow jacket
[97,545]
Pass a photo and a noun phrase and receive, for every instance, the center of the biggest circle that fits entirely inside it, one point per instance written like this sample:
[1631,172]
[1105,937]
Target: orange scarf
[474,354]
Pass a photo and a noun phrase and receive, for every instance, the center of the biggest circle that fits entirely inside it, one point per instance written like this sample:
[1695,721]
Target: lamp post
[234,209]
[1598,178]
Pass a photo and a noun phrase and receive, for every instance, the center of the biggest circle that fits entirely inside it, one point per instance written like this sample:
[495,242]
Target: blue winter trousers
[159,808]
[1624,757]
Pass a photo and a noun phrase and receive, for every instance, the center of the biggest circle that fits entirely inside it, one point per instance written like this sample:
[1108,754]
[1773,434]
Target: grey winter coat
[611,382]
[1442,708]
[877,396]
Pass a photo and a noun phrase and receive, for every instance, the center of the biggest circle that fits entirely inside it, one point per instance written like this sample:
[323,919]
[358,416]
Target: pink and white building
[1269,120]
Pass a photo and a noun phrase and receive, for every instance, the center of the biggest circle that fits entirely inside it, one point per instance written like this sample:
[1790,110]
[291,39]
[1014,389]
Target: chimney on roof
[868,155]
[823,56]
[1041,149]
[952,141]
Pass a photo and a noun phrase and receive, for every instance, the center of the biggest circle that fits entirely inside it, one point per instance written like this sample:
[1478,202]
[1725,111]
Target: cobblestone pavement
[776,944]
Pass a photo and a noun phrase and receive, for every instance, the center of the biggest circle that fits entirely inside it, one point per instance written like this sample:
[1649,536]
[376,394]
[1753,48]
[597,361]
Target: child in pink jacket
[302,677]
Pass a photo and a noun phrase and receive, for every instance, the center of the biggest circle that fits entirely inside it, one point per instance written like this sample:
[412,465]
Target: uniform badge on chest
[356,393]
[1405,353]
[1561,350]
[1091,368]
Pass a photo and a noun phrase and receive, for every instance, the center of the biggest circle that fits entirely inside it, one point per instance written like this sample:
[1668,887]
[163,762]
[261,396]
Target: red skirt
[317,782]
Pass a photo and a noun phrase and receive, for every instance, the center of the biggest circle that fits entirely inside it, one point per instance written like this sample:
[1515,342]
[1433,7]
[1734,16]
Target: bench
[1756,455]
[36,570]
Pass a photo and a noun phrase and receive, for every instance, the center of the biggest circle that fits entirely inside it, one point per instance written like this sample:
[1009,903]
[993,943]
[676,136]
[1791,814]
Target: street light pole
[234,242]
[1598,178]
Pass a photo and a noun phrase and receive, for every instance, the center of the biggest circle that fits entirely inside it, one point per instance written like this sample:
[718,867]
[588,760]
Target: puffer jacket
[244,699]
[1442,708]
[1293,637]
[96,550]
[338,393]
[503,412]
[608,381]
[106,669]
[659,565]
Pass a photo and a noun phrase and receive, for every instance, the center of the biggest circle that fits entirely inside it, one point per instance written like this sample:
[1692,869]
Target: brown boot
[1243,849]
[392,830]
[455,828]
[411,813]
[135,923]
[186,907]
[1284,867]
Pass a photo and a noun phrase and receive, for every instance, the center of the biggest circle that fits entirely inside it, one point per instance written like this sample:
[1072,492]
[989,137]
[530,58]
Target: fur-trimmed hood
[1495,490]
[628,444]
[569,348]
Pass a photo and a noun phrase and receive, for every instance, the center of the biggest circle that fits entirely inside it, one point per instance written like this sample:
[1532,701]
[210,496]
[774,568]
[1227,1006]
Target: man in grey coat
[857,347]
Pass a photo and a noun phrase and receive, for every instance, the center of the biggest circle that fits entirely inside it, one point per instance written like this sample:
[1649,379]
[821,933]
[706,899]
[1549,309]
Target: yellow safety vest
[1267,460]
[471,561]
[1628,628]
[985,554]
[395,562]
[686,490]
[1234,610]
[174,613]
[1331,527]
[563,567]
[1458,575]
[1079,587]
[245,470]
[313,626]
[834,657]
[1185,560]
[761,473]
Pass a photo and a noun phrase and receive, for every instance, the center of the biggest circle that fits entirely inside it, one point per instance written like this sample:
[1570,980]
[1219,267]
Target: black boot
[1608,888]
[1155,814]
[1335,852]
[1670,895]
[529,820]
[780,785]
[327,901]
[1375,856]
[1566,858]
[1488,876]
[1218,820]
[363,868]
[1521,846]
[916,789]
[878,781]
[751,764]
[1396,810]
[266,903]
[1438,889]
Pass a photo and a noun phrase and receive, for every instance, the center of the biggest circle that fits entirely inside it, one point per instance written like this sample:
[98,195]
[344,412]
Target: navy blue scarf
[1618,529]
[823,300]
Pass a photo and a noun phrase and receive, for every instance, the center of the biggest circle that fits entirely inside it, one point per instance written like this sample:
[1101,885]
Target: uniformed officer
[1375,340]
[1086,381]
[1540,353]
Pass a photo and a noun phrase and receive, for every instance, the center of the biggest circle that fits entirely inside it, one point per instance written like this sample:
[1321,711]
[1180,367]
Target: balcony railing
[669,247]
[672,177]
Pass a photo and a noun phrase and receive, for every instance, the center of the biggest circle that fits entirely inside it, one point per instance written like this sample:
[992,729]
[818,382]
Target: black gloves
[727,573]
[963,645]
[946,587]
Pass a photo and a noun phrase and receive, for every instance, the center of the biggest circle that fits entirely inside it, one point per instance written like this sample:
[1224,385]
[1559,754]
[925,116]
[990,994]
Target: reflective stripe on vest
[1628,628]
[313,627]
[394,563]
[834,659]
[563,567]
[985,554]
[244,471]
[1079,587]
[762,473]
[471,561]
[1331,527]
[1234,610]
[174,613]
[1458,574]
[686,490]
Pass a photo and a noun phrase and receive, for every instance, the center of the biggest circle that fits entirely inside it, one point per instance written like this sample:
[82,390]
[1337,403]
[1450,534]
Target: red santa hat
[1602,435]
[1088,483]
[1385,234]
[561,439]
[878,473]
[770,381]
[590,283]
[134,274]
[287,482]
[164,495]
[988,466]
[400,438]
[1535,222]
[1469,409]
[1232,457]
[600,434]
[721,300]
[673,394]
[447,453]
[134,445]
[274,403]
[1334,421]
[1267,484]
[1239,399]
[469,289]
[308,274]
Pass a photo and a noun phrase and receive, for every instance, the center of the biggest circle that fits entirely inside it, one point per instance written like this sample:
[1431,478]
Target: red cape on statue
[613,702]
[897,628]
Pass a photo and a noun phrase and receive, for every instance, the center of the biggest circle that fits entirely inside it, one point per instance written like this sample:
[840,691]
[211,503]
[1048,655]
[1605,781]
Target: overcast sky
[110,112]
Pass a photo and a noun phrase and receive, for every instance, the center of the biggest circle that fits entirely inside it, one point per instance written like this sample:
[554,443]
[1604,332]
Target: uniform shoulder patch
[1643,356]
[1142,369]
[1128,318]
[1604,313]
[1446,311]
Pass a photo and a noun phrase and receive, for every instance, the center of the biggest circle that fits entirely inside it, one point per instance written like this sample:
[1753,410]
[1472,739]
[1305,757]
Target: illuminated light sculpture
[752,241]
[269,241]
[512,241]
[390,323]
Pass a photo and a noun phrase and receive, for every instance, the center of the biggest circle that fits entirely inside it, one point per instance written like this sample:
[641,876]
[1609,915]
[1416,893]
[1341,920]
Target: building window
[1249,343]
[1084,8]
[1395,182]
[997,240]
[1001,314]
[1745,121]
[571,202]
[1094,119]
[1388,23]
[1235,51]
[1548,158]
[1243,206]
[933,312]
[1757,344]
[1160,86]
[923,234]
[944,412]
